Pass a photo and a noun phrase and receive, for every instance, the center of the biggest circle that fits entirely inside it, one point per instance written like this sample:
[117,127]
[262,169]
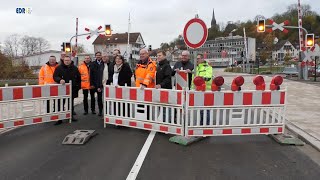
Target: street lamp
[234,30]
[1,46]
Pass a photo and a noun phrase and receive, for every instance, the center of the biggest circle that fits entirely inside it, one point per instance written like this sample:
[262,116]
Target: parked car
[311,71]
[290,71]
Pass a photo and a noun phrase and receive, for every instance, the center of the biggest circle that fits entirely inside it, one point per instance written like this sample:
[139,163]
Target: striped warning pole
[182,80]
[76,45]
[301,42]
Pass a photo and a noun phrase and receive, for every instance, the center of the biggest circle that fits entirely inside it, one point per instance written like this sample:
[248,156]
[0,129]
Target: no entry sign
[195,33]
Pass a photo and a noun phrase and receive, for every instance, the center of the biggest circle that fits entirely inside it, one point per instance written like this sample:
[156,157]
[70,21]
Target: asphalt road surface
[35,152]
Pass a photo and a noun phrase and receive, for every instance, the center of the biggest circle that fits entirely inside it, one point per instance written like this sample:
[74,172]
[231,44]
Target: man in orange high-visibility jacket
[84,70]
[47,70]
[46,75]
[145,71]
[145,74]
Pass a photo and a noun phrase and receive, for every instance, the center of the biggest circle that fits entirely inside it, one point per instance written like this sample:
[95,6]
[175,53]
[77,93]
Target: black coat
[163,76]
[125,75]
[110,72]
[96,74]
[68,73]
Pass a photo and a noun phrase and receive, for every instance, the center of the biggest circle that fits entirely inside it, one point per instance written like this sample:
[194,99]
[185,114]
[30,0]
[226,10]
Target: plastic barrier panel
[158,110]
[27,105]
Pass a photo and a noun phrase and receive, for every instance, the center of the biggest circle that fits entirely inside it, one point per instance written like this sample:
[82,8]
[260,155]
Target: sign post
[195,34]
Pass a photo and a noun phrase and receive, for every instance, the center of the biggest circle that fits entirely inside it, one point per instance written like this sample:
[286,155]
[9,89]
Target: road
[36,152]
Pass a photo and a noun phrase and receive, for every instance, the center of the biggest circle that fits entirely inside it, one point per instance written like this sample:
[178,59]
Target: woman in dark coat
[121,72]
[120,76]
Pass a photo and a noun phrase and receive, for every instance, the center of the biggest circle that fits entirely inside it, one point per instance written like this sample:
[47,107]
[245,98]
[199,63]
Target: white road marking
[139,161]
[2,131]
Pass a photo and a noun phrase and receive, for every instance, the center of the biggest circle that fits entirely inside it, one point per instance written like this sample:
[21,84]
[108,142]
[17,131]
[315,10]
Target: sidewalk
[303,105]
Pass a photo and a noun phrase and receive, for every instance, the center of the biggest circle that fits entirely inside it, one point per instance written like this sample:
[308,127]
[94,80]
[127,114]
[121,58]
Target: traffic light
[309,40]
[107,30]
[67,47]
[150,48]
[261,25]
[63,47]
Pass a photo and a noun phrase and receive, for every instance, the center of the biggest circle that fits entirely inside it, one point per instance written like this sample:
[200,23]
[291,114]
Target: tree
[6,66]
[164,46]
[80,48]
[287,58]
[31,45]
[43,44]
[12,45]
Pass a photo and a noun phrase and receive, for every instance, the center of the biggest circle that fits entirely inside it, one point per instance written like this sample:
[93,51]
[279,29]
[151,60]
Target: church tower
[213,21]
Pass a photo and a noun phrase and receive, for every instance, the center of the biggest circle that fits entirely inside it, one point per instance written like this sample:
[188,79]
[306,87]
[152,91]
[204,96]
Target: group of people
[91,76]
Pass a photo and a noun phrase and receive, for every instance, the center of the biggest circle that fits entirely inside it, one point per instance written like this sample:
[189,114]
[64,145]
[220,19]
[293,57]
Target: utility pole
[128,46]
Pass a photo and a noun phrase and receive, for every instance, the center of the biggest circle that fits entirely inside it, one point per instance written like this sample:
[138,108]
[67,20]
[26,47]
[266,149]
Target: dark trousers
[49,106]
[85,99]
[59,104]
[100,103]
[121,109]
[202,117]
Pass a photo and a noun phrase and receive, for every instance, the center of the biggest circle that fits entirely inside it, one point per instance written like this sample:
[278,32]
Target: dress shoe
[74,120]
[58,122]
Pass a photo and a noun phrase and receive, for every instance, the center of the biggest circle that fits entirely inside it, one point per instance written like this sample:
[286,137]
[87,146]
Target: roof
[118,38]
[280,44]
[36,54]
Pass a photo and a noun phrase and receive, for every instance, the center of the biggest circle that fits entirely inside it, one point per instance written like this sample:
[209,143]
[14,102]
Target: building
[282,49]
[82,55]
[35,61]
[213,21]
[120,41]
[224,51]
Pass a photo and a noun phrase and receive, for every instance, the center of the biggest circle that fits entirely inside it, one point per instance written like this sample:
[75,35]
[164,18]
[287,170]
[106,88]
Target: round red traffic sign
[195,33]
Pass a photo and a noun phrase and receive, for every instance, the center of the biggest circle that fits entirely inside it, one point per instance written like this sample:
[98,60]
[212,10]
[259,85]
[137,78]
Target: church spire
[213,21]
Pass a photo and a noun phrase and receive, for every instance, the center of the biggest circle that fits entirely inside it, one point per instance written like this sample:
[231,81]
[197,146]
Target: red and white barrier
[146,95]
[26,105]
[200,113]
[230,98]
[31,92]
[182,80]
[158,110]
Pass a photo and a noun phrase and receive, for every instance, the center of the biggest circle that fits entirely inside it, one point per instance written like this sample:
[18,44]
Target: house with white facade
[224,51]
[282,49]
[35,61]
[120,41]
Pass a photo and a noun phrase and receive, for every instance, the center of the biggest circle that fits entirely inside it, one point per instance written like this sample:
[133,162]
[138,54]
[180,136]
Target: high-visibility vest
[204,70]
[85,76]
[145,74]
[46,74]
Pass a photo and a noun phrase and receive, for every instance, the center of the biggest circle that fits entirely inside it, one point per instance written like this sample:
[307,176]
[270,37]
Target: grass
[18,83]
[262,70]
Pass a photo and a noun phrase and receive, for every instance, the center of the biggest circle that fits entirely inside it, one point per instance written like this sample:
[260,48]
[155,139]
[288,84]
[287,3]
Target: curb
[305,136]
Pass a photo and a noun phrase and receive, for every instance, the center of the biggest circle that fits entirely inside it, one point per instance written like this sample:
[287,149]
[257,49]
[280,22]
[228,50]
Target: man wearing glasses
[185,64]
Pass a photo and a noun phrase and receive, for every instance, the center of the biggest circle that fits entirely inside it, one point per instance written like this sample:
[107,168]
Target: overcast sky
[158,21]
